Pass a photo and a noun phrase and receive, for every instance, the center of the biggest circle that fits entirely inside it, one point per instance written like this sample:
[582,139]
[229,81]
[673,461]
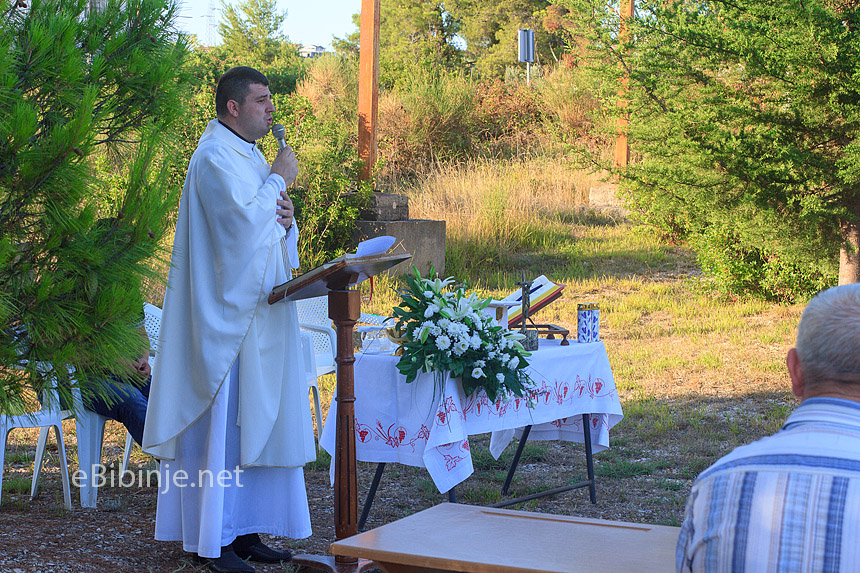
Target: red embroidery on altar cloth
[445,409]
[597,420]
[451,461]
[391,436]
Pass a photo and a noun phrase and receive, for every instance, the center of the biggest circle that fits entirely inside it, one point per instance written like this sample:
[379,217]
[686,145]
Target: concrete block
[385,207]
[604,197]
[423,238]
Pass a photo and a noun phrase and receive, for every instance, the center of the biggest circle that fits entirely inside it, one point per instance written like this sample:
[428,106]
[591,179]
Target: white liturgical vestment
[228,407]
[227,257]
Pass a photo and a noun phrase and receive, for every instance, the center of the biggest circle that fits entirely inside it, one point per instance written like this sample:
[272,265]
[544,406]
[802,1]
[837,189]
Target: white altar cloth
[417,425]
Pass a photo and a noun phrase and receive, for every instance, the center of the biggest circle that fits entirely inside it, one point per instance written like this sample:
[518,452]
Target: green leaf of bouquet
[491,393]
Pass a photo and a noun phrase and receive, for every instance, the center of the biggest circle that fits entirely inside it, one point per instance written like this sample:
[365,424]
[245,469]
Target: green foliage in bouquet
[445,330]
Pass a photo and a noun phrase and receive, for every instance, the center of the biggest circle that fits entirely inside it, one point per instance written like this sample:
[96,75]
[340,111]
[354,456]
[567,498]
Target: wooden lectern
[336,280]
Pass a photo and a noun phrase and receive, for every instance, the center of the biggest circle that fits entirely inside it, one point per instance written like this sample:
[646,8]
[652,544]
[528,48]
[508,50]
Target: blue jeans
[127,405]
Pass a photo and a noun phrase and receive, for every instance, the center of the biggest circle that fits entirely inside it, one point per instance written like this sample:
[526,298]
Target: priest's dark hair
[234,85]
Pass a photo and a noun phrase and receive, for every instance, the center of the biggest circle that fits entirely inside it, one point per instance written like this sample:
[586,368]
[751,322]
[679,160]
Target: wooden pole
[368,86]
[622,149]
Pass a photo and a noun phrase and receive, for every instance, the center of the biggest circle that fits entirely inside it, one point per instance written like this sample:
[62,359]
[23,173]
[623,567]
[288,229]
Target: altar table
[421,425]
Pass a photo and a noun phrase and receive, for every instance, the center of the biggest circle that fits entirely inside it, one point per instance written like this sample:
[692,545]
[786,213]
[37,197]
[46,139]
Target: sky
[308,21]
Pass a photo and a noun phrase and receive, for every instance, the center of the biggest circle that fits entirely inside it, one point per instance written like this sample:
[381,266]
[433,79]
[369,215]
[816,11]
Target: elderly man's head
[826,360]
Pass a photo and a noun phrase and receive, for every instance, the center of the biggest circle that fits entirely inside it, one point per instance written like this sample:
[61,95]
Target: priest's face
[253,117]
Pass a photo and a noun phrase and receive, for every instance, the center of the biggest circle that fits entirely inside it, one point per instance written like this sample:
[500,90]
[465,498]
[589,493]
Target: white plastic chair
[311,377]
[313,319]
[49,416]
[90,426]
[319,345]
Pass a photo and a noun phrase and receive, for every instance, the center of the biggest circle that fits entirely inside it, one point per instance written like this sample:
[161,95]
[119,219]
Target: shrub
[325,195]
[737,268]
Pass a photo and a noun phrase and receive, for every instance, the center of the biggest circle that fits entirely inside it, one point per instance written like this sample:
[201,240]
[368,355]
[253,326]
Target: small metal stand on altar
[530,342]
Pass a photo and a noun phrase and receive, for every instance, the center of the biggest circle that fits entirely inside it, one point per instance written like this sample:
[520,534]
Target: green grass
[624,468]
[17,485]
[18,457]
[322,462]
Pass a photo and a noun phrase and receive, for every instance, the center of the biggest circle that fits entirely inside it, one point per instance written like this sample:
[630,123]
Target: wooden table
[457,537]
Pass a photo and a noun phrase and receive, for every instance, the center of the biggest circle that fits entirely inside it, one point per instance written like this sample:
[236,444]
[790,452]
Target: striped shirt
[788,502]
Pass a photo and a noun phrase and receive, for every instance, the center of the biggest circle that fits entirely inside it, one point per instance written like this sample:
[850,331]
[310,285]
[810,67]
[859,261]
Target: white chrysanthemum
[443,342]
[444,323]
[475,341]
[477,373]
[435,330]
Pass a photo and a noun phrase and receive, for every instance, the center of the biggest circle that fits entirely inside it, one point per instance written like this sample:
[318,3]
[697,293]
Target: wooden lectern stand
[336,280]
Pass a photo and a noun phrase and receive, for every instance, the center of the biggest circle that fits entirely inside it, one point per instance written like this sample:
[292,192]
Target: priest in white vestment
[228,410]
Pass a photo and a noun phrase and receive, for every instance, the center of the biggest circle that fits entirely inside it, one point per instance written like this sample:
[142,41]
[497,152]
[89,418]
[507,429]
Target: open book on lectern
[369,258]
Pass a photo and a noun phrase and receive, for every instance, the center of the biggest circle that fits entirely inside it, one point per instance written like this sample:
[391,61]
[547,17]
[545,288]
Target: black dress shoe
[229,562]
[251,547]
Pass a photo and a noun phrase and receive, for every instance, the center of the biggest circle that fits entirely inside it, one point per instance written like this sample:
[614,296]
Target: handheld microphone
[279,132]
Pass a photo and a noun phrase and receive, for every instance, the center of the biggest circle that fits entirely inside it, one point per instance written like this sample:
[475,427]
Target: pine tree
[744,125]
[87,101]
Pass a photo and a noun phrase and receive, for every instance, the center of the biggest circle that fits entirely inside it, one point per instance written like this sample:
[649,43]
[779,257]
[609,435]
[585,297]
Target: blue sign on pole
[526,40]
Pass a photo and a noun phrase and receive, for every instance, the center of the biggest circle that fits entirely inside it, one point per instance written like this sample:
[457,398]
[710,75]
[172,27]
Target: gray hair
[828,338]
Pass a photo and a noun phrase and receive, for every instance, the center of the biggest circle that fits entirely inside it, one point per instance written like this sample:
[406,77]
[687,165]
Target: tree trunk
[849,254]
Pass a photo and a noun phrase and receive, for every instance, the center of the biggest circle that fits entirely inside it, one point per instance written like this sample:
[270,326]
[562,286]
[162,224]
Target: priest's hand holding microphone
[285,165]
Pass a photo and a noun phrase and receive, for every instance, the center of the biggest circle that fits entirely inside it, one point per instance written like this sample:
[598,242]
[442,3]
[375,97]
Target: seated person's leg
[126,404]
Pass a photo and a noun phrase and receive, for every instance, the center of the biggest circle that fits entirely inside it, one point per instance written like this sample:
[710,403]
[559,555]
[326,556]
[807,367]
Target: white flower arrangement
[445,330]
